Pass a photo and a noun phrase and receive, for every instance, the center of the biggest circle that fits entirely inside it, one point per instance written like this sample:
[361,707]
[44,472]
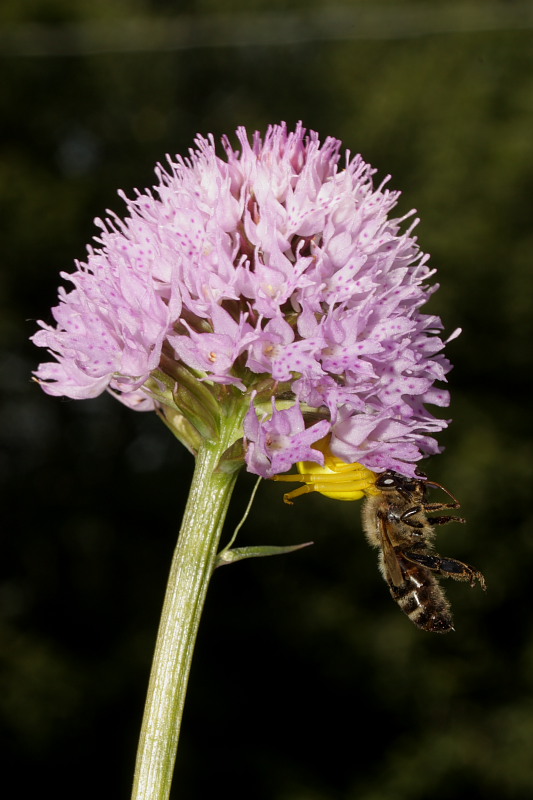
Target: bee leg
[440,506]
[406,517]
[447,567]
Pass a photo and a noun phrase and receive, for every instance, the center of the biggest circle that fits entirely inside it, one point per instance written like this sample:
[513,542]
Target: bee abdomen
[423,600]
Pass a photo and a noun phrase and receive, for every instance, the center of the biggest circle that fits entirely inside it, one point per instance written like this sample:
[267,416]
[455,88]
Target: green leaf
[233,458]
[239,553]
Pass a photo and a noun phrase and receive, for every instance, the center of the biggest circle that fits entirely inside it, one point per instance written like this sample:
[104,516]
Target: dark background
[308,682]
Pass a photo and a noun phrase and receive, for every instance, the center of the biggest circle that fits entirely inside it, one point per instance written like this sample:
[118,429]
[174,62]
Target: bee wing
[391,564]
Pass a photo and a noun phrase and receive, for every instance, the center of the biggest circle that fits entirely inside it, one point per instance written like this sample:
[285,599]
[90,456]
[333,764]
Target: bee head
[394,481]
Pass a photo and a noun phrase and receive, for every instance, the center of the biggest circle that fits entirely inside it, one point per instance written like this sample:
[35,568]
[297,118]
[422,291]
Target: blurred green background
[308,682]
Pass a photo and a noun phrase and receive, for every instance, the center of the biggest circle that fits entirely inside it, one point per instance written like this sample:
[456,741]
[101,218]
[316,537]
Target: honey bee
[396,522]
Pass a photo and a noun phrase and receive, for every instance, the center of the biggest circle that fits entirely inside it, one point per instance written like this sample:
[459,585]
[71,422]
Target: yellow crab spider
[335,479]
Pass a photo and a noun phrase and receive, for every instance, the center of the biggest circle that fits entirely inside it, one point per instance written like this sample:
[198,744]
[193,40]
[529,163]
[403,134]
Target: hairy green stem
[191,569]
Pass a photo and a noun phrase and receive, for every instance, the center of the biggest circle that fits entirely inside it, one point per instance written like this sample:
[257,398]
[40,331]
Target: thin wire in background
[337,23]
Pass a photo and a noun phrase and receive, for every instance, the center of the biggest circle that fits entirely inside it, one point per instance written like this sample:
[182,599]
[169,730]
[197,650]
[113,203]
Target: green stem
[191,569]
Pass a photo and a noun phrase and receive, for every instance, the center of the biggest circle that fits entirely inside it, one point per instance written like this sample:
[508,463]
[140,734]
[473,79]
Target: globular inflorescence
[272,275]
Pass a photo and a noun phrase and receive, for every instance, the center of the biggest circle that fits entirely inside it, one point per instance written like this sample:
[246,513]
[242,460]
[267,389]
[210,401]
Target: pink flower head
[277,271]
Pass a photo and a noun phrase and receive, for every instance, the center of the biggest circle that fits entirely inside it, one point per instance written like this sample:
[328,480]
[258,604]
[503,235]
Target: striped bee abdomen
[422,599]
